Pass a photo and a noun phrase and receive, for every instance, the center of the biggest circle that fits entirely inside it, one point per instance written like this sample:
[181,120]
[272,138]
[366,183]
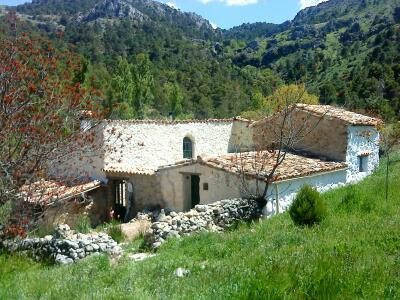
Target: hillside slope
[347,51]
[353,254]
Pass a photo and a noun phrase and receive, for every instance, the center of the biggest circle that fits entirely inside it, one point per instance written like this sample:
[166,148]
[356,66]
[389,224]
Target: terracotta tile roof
[349,117]
[123,169]
[178,164]
[48,191]
[174,122]
[259,164]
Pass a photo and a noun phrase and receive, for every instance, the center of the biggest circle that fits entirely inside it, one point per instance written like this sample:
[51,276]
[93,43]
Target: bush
[308,207]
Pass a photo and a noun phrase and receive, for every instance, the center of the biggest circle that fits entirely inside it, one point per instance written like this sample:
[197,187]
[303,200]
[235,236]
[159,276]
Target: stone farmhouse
[179,164]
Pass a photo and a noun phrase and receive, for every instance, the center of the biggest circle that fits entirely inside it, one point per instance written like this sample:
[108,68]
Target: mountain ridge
[345,51]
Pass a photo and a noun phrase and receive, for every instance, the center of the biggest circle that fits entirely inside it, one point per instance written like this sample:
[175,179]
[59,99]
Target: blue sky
[229,13]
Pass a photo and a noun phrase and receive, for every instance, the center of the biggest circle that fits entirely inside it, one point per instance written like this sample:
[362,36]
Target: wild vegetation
[308,207]
[345,52]
[41,104]
[351,254]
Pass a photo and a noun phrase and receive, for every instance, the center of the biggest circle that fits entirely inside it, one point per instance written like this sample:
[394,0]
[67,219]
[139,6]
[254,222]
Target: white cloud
[308,3]
[232,2]
[172,5]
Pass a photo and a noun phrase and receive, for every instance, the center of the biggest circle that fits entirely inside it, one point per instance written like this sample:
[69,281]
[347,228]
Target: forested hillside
[346,51]
[149,59]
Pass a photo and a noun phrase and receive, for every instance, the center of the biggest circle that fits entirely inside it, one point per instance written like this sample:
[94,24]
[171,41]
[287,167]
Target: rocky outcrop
[109,9]
[213,217]
[65,246]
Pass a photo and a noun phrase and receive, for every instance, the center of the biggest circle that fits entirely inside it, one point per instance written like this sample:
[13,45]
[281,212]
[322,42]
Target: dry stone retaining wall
[212,217]
[65,246]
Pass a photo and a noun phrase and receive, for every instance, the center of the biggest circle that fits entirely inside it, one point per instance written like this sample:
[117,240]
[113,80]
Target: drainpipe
[277,198]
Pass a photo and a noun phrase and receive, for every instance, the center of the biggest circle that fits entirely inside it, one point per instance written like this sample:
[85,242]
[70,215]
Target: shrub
[308,207]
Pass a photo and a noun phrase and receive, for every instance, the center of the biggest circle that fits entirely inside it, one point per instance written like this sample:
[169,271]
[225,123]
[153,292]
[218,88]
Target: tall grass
[5,210]
[353,254]
[114,230]
[83,224]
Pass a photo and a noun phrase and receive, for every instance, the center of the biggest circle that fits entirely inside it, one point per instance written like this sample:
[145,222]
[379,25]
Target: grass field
[353,254]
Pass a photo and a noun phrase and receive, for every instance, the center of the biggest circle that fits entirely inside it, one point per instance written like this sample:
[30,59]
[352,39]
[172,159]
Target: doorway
[195,190]
[123,200]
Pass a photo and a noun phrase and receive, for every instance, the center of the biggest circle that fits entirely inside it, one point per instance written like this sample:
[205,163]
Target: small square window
[205,186]
[363,163]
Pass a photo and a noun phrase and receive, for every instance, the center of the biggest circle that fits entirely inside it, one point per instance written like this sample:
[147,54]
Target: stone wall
[85,160]
[224,185]
[152,144]
[131,145]
[242,137]
[175,185]
[326,137]
[65,246]
[285,191]
[217,216]
[363,140]
[95,205]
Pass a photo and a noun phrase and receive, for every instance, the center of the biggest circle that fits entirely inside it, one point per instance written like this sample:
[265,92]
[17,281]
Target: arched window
[187,148]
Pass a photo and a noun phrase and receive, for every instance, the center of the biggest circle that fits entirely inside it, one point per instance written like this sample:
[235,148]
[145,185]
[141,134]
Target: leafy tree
[131,87]
[41,106]
[327,93]
[122,90]
[288,95]
[175,99]
[396,14]
[143,83]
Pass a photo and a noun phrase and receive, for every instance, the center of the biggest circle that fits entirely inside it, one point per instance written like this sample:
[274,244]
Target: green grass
[82,224]
[114,230]
[353,254]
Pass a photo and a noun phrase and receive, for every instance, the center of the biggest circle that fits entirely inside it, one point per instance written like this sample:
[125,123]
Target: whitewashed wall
[287,190]
[223,185]
[150,145]
[361,139]
[83,160]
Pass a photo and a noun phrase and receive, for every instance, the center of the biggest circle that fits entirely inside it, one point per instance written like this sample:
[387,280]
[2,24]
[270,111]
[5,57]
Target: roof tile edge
[175,122]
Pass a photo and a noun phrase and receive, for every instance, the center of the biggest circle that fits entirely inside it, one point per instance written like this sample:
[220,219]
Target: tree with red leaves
[41,105]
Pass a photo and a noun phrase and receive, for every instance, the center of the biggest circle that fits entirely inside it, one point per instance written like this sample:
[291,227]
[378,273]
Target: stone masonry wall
[151,145]
[65,246]
[362,140]
[212,217]
[326,137]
